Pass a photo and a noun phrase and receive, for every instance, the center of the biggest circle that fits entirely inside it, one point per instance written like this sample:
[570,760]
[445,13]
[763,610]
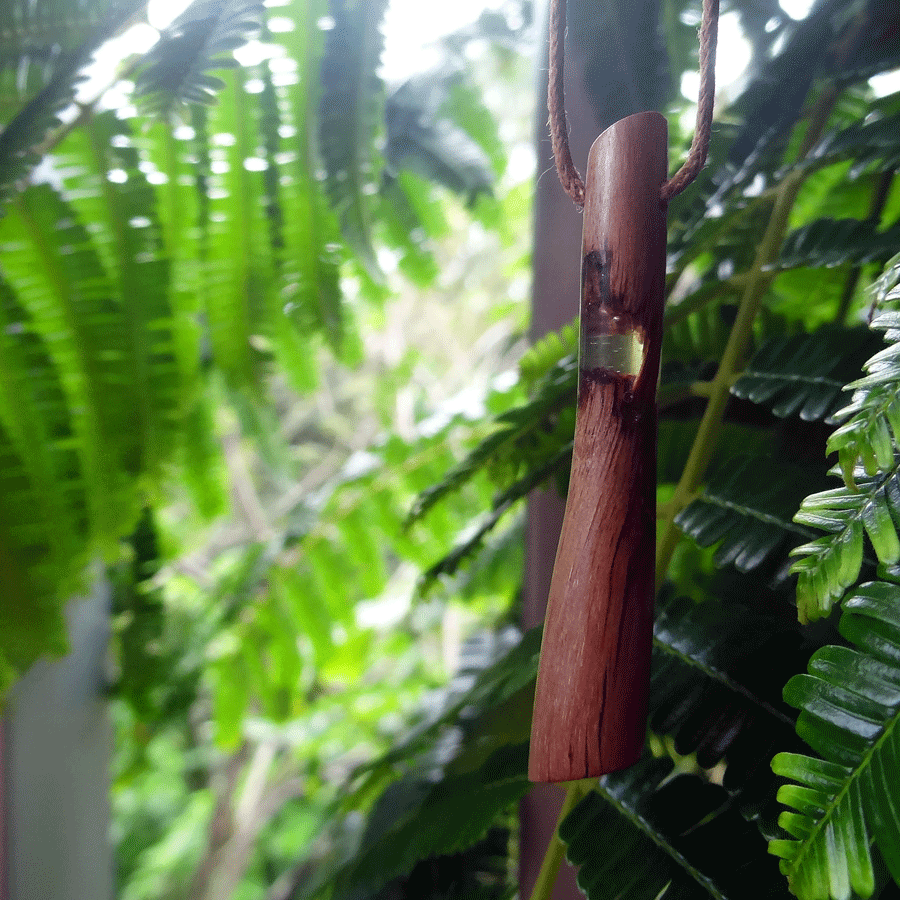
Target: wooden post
[591,701]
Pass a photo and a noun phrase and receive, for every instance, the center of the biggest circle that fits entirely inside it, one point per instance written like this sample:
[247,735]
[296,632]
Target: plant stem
[732,359]
[543,887]
[760,276]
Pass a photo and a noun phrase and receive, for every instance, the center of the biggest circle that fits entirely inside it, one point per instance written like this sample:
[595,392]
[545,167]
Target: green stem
[759,279]
[543,887]
[732,359]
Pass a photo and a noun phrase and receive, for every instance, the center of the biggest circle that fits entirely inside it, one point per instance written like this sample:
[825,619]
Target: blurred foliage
[219,376]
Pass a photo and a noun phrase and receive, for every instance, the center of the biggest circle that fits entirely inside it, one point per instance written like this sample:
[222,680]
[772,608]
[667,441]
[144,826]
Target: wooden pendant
[590,704]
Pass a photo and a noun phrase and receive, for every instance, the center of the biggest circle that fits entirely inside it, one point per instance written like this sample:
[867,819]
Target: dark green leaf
[849,713]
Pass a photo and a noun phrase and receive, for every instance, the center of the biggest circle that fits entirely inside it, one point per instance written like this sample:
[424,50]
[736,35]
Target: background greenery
[261,367]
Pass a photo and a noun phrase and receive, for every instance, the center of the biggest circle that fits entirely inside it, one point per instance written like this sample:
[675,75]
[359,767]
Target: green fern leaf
[871,422]
[348,117]
[35,417]
[871,143]
[831,242]
[491,695]
[514,429]
[850,714]
[465,106]
[239,295]
[664,837]
[697,328]
[829,565]
[311,293]
[548,351]
[709,650]
[887,288]
[870,498]
[503,502]
[413,820]
[73,304]
[411,217]
[748,507]
[36,575]
[422,139]
[128,212]
[182,207]
[177,70]
[44,539]
[805,374]
[45,49]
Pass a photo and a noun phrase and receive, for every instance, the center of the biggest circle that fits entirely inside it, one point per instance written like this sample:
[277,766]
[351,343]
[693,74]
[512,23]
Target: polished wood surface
[591,698]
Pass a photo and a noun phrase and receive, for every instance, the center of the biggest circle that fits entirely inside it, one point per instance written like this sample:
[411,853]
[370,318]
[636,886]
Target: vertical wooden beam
[555,292]
[591,698]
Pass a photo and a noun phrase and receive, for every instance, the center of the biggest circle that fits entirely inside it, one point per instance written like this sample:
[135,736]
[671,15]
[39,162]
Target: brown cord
[559,132]
[709,31]
[556,104]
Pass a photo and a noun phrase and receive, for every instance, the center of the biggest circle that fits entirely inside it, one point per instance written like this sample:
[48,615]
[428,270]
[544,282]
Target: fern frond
[831,564]
[411,218]
[20,138]
[885,289]
[465,107]
[503,502]
[715,694]
[871,422]
[870,498]
[414,820]
[638,863]
[349,112]
[697,329]
[748,506]
[832,242]
[22,135]
[496,674]
[312,234]
[43,542]
[179,206]
[35,574]
[239,294]
[421,138]
[665,837]
[872,143]
[35,418]
[803,375]
[710,649]
[850,714]
[60,280]
[178,69]
[142,272]
[509,439]
[548,351]
[30,31]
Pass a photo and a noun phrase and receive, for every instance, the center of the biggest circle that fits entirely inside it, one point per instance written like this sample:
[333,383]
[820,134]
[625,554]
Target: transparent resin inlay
[622,353]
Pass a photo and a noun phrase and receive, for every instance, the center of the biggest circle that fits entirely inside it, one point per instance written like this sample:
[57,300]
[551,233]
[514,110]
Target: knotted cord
[559,132]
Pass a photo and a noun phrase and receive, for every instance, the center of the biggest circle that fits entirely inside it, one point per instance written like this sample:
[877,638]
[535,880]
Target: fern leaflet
[748,508]
[804,374]
[868,448]
[850,712]
[666,837]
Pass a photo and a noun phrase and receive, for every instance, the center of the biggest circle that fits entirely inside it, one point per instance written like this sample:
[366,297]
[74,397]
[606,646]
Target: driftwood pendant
[590,704]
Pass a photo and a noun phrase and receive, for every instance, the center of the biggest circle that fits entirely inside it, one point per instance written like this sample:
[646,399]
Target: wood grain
[591,698]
